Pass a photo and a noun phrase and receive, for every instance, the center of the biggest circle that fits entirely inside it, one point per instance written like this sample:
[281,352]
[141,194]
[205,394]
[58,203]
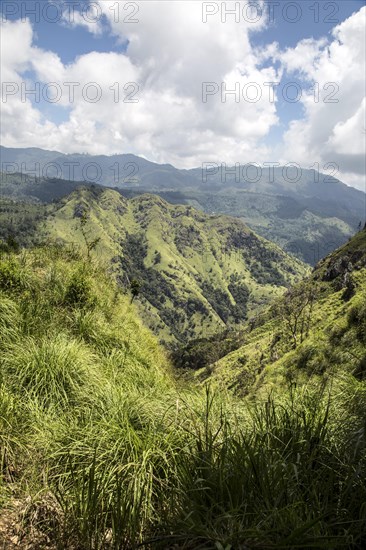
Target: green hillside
[317,331]
[198,274]
[101,448]
[309,228]
[307,213]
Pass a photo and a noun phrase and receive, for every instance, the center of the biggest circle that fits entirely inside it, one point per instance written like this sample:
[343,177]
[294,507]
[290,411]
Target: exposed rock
[339,267]
[79,210]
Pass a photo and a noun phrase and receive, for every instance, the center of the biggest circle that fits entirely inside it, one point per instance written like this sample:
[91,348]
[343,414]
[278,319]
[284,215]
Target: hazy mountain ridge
[307,213]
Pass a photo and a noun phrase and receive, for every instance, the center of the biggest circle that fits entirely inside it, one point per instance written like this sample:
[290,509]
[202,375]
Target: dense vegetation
[19,221]
[256,440]
[309,227]
[101,448]
[197,274]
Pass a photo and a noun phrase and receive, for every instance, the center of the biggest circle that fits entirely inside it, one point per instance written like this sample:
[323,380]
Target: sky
[188,82]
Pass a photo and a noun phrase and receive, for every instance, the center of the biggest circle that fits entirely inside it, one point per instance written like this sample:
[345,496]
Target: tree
[135,289]
[296,311]
[90,244]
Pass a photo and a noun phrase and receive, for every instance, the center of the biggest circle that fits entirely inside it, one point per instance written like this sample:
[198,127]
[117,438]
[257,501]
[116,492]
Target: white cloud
[169,53]
[21,123]
[89,18]
[333,128]
[348,137]
[304,57]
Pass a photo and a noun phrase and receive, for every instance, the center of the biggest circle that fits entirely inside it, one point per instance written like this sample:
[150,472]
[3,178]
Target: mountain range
[252,425]
[305,212]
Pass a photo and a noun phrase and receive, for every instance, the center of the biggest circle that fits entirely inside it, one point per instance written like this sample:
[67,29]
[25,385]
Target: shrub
[305,354]
[357,318]
[79,291]
[360,371]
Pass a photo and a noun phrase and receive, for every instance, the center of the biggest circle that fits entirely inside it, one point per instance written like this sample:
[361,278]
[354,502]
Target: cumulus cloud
[22,124]
[333,127]
[170,54]
[148,96]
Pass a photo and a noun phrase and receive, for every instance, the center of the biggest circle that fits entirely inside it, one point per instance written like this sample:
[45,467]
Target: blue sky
[69,42]
[169,53]
[317,19]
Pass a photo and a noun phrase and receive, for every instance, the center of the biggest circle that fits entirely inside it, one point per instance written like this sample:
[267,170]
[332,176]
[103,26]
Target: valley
[98,429]
[199,274]
[153,344]
[182,275]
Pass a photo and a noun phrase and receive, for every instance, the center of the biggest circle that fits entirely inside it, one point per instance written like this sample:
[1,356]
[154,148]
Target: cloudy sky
[187,82]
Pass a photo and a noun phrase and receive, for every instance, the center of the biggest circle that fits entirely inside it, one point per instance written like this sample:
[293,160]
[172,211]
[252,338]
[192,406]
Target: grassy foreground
[101,448]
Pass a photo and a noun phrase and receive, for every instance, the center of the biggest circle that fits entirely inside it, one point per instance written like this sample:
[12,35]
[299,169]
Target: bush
[305,354]
[79,291]
[360,370]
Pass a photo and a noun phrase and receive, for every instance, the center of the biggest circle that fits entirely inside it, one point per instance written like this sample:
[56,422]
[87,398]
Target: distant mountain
[116,170]
[307,213]
[199,274]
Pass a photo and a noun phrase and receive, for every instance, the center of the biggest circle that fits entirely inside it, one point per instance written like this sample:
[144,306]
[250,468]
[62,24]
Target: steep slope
[306,212]
[102,449]
[316,331]
[198,273]
[74,357]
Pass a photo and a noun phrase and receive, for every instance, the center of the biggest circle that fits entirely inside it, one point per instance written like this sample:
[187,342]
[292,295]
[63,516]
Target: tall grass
[9,321]
[276,474]
[52,369]
[91,416]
